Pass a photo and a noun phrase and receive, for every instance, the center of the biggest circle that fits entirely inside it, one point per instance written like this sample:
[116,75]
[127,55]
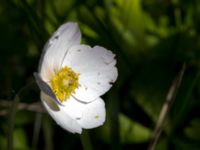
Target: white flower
[72,77]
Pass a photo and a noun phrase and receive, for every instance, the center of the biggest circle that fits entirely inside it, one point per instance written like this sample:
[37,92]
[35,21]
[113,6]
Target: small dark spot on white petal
[98,83]
[78,118]
[96,117]
[78,50]
[106,63]
[56,37]
[98,73]
[111,82]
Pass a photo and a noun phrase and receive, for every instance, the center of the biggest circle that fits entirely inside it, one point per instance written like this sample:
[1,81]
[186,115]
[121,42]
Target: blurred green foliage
[151,39]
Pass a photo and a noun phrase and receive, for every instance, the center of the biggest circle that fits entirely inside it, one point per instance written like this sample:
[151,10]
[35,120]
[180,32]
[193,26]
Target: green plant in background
[152,40]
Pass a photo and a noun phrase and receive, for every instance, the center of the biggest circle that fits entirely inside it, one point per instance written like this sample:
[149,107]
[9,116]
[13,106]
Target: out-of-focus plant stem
[36,131]
[11,116]
[114,120]
[165,108]
[35,107]
[12,113]
[85,140]
[48,133]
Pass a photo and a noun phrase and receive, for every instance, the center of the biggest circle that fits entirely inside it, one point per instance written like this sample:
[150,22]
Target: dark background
[151,39]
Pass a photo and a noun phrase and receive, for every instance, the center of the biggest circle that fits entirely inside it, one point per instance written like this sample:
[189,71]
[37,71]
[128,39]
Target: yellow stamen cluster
[64,83]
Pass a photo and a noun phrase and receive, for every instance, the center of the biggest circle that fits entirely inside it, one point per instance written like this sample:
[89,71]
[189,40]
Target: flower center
[64,83]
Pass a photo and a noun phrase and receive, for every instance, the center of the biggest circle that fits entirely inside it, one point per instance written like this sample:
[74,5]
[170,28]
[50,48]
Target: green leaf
[193,131]
[20,140]
[130,131]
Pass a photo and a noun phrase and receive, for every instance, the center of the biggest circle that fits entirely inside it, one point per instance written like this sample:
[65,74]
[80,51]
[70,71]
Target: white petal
[97,70]
[93,114]
[56,48]
[73,108]
[59,114]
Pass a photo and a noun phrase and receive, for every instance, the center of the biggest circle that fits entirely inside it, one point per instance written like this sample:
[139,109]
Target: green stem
[114,120]
[85,140]
[12,114]
[12,122]
[48,133]
[36,131]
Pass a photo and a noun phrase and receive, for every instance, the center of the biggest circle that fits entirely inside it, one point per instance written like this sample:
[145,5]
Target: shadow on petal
[51,104]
